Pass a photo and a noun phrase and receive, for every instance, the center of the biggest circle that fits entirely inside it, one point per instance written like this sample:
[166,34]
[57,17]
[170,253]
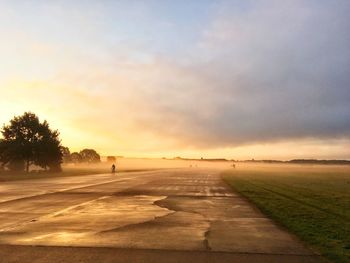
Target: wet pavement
[182,211]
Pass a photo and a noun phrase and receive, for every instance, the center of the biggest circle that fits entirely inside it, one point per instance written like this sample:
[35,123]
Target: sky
[263,79]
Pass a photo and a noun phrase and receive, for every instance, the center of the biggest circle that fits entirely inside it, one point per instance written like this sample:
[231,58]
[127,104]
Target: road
[175,215]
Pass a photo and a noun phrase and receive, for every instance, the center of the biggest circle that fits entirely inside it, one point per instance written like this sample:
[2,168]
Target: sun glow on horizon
[224,80]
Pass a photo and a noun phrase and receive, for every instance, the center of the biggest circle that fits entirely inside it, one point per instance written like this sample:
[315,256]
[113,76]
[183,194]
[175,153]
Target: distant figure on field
[113,168]
[233,165]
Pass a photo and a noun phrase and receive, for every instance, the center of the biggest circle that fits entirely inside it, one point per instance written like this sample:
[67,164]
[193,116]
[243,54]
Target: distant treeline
[201,159]
[295,161]
[84,156]
[300,161]
[314,161]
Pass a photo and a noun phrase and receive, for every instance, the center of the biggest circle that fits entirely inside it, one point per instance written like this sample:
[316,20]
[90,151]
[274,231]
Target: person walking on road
[113,168]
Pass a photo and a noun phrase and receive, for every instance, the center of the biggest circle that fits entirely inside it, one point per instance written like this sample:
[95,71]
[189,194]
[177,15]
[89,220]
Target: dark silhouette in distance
[76,158]
[90,156]
[111,159]
[66,155]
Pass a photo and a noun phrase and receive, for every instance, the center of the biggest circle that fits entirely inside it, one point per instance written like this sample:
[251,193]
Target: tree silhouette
[90,156]
[111,159]
[66,156]
[76,157]
[16,165]
[28,141]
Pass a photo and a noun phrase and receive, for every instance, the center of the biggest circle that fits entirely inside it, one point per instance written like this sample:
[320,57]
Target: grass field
[311,201]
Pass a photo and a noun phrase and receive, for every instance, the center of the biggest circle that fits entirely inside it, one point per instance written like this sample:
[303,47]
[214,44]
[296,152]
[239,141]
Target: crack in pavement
[158,221]
[164,204]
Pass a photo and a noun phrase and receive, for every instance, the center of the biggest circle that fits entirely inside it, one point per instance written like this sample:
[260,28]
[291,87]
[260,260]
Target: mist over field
[278,169]
[125,164]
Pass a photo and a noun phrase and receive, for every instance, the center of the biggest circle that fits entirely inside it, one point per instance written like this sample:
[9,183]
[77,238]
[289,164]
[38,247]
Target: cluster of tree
[84,156]
[27,141]
[111,159]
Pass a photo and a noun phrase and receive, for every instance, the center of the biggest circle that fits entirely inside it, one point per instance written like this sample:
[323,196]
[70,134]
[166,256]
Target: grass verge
[314,204]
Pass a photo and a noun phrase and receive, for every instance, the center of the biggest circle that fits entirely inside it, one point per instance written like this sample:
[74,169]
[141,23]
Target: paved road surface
[178,215]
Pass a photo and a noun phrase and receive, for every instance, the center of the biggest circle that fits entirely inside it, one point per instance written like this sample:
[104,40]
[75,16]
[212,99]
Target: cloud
[257,72]
[278,71]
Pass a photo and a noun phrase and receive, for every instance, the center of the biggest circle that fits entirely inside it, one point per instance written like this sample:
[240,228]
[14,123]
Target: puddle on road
[179,231]
[129,221]
[79,224]
[61,237]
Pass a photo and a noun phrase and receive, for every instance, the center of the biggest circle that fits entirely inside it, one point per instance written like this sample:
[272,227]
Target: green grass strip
[319,219]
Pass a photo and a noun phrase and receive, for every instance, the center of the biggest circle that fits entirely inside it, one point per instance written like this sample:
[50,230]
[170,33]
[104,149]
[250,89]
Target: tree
[16,165]
[90,156]
[66,156]
[7,149]
[111,159]
[29,141]
[76,158]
